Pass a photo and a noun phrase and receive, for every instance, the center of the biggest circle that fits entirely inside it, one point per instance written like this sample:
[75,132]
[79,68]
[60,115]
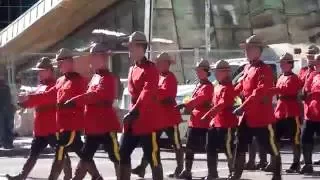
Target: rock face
[277,21]
[183,21]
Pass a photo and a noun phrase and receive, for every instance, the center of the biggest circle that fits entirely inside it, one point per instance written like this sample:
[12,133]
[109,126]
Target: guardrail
[26,20]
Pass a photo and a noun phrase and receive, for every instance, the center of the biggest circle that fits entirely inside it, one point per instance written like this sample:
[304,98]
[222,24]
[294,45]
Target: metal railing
[26,19]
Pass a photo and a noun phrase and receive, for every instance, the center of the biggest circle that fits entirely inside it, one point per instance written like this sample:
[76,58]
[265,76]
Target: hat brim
[202,67]
[310,54]
[102,53]
[220,69]
[171,61]
[63,59]
[126,44]
[38,69]
[286,61]
[245,45]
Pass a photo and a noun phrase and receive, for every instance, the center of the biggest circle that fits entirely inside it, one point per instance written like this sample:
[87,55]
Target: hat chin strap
[256,61]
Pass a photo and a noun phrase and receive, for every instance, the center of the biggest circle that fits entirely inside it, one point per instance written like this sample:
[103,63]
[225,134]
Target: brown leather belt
[206,105]
[292,98]
[44,108]
[134,100]
[102,104]
[168,101]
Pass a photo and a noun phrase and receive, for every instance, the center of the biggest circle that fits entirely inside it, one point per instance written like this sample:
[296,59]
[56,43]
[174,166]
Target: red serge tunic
[99,116]
[199,104]
[288,87]
[143,82]
[221,115]
[255,87]
[45,110]
[67,86]
[304,75]
[313,110]
[168,85]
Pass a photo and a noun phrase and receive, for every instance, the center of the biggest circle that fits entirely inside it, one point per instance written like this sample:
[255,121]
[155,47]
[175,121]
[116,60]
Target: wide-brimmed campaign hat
[63,54]
[100,48]
[253,41]
[165,57]
[221,65]
[137,37]
[317,57]
[286,57]
[312,50]
[203,64]
[43,64]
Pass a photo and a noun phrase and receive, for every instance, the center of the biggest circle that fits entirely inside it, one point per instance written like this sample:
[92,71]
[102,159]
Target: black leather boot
[28,166]
[212,160]
[180,161]
[140,170]
[307,155]
[125,171]
[157,172]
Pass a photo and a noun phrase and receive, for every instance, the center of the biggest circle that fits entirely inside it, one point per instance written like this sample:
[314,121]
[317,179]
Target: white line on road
[165,173]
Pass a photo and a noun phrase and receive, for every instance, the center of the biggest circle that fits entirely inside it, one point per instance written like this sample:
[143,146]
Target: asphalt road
[12,161]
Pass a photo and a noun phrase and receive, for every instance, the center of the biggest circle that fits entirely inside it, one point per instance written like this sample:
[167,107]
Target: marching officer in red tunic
[304,75]
[312,122]
[287,111]
[167,93]
[305,71]
[199,104]
[255,88]
[69,118]
[101,123]
[222,121]
[144,119]
[44,121]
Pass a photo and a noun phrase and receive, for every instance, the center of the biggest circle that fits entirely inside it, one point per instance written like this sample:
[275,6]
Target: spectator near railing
[6,115]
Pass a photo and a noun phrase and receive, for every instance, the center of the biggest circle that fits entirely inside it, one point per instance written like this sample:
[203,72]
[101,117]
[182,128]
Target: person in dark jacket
[6,116]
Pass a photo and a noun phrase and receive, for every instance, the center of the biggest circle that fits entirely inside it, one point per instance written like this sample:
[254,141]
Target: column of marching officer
[69,106]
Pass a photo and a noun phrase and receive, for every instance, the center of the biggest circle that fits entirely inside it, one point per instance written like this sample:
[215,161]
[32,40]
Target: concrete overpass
[44,24]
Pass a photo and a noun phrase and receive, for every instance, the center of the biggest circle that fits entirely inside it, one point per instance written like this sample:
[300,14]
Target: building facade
[200,28]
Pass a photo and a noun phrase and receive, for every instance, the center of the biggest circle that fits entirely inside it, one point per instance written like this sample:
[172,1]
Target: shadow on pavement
[4,177]
[21,152]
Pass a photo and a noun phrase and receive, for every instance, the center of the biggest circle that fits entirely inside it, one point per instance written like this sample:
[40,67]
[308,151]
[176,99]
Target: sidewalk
[21,148]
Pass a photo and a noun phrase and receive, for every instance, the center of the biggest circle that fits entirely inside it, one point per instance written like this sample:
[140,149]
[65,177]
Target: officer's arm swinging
[203,98]
[168,90]
[147,95]
[105,92]
[220,106]
[43,98]
[262,92]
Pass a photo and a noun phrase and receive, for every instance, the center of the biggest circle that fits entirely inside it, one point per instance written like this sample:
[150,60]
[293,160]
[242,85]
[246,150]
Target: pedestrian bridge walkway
[46,23]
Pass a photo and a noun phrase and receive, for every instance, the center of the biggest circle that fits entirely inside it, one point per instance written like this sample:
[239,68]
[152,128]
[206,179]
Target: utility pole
[148,22]
[250,18]
[207,30]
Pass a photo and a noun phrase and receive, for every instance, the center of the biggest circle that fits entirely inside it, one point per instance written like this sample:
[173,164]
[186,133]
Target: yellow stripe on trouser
[115,146]
[297,136]
[176,137]
[155,149]
[61,148]
[271,140]
[60,153]
[57,135]
[228,143]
